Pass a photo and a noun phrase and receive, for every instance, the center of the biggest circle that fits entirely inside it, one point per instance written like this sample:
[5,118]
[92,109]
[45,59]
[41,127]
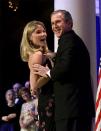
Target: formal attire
[46,106]
[72,83]
[25,116]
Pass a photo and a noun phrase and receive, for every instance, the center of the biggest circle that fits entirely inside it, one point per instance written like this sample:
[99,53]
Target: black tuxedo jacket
[71,77]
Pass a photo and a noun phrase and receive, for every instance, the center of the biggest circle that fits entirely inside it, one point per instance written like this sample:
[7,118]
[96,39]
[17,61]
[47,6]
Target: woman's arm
[42,81]
[35,80]
[37,57]
[11,116]
[8,117]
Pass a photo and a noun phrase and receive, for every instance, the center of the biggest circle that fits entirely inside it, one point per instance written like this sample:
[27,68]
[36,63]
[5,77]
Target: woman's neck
[11,103]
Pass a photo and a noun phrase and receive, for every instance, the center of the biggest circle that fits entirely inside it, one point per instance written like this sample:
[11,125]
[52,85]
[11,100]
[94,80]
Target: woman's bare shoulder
[36,57]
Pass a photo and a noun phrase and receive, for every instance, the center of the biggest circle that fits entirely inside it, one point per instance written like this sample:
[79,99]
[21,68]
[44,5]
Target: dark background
[12,68]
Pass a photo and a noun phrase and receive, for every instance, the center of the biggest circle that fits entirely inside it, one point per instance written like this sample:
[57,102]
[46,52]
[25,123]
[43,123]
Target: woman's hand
[5,118]
[22,125]
[11,116]
[33,91]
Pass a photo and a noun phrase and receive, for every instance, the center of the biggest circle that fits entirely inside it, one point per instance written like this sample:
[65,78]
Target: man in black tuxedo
[74,105]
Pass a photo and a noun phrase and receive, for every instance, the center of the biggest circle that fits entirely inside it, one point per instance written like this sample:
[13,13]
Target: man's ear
[71,23]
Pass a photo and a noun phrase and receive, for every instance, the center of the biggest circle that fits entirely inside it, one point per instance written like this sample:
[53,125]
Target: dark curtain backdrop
[12,69]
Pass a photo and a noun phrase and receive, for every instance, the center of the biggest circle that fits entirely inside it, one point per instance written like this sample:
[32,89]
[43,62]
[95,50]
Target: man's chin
[58,35]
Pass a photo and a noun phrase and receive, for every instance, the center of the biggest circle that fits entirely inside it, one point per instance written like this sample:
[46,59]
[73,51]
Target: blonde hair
[26,47]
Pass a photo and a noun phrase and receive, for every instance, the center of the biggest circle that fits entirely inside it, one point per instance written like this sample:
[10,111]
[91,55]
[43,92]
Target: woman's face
[38,36]
[25,96]
[9,96]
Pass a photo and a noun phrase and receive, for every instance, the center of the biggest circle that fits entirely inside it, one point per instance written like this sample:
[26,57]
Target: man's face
[58,23]
[15,88]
